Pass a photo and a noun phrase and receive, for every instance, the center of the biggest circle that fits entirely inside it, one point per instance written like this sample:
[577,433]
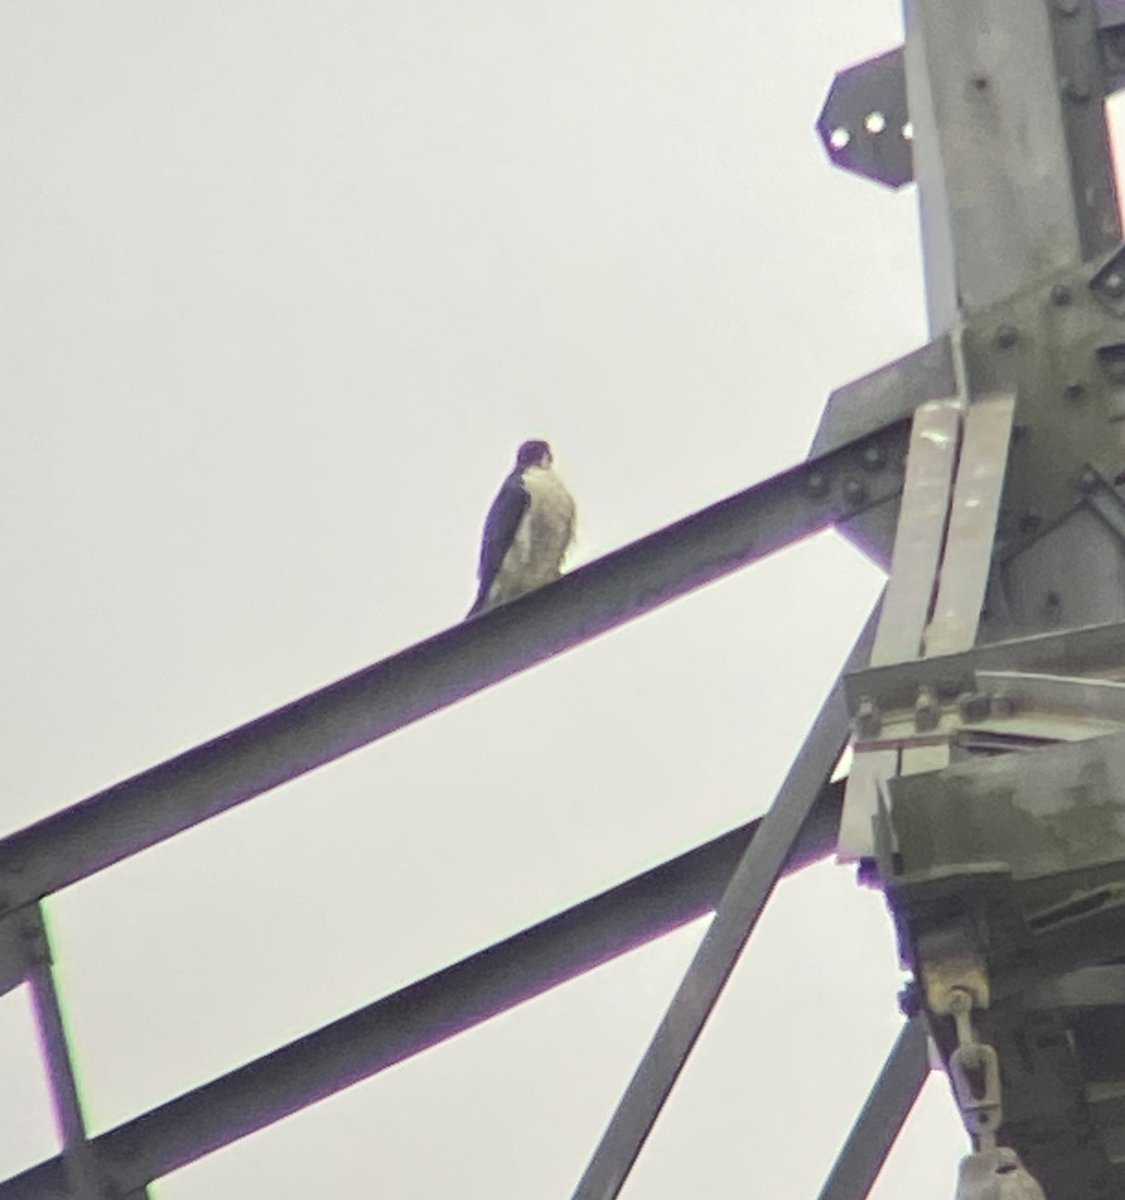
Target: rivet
[1061,294]
[1114,284]
[1074,390]
[874,457]
[816,484]
[1007,336]
[927,712]
[855,491]
[868,719]
[1030,522]
[1087,481]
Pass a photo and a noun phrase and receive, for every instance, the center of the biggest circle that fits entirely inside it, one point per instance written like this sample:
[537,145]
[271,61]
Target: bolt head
[927,711]
[1007,336]
[816,484]
[855,491]
[1074,390]
[973,706]
[1114,284]
[1062,294]
[868,719]
[874,457]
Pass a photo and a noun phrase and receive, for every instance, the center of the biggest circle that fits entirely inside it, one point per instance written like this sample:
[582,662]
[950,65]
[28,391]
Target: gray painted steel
[892,1097]
[78,1160]
[366,706]
[1064,652]
[742,903]
[990,151]
[1016,195]
[426,1012]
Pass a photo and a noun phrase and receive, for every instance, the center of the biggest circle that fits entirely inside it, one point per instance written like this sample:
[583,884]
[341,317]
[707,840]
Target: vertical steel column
[750,887]
[1000,206]
[81,1170]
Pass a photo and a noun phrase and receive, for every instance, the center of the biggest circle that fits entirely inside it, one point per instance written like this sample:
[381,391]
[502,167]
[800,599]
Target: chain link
[974,1069]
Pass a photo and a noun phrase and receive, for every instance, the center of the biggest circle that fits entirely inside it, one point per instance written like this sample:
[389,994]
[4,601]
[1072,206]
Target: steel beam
[1084,650]
[998,204]
[750,887]
[887,1106]
[78,1160]
[426,1012]
[463,660]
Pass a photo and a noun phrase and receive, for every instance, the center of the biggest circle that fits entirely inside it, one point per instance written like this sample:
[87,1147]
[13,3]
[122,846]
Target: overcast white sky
[286,285]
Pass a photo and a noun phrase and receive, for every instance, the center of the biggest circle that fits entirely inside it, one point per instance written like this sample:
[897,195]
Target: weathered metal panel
[934,440]
[972,525]
[1074,575]
[1049,812]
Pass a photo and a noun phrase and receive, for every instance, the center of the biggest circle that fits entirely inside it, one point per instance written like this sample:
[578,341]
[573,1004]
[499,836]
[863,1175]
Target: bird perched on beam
[527,532]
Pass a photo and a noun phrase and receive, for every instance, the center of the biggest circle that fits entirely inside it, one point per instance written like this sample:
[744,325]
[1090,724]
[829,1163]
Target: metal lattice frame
[1009,150]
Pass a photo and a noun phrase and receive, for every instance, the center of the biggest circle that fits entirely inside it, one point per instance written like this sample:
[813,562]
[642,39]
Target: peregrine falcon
[527,531]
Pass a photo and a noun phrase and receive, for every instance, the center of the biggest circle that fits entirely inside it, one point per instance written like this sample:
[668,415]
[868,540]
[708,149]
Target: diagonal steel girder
[424,1013]
[885,1111]
[742,903]
[325,725]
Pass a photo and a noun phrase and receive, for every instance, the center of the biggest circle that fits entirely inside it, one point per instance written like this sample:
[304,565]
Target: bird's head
[533,454]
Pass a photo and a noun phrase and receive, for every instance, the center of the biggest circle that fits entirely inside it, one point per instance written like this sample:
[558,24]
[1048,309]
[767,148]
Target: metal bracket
[864,123]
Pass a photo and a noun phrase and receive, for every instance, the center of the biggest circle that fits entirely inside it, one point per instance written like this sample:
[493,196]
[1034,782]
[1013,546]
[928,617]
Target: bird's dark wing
[499,529]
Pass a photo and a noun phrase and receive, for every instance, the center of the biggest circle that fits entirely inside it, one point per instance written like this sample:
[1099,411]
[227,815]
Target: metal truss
[985,698]
[248,761]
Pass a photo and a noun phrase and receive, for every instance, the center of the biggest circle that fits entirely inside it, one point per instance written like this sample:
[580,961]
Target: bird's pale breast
[542,539]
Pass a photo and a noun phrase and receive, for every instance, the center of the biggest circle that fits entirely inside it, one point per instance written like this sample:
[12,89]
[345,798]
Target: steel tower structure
[985,699]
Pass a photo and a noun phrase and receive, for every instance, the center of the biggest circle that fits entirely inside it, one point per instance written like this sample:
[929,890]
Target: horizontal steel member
[1070,652]
[355,711]
[426,1012]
